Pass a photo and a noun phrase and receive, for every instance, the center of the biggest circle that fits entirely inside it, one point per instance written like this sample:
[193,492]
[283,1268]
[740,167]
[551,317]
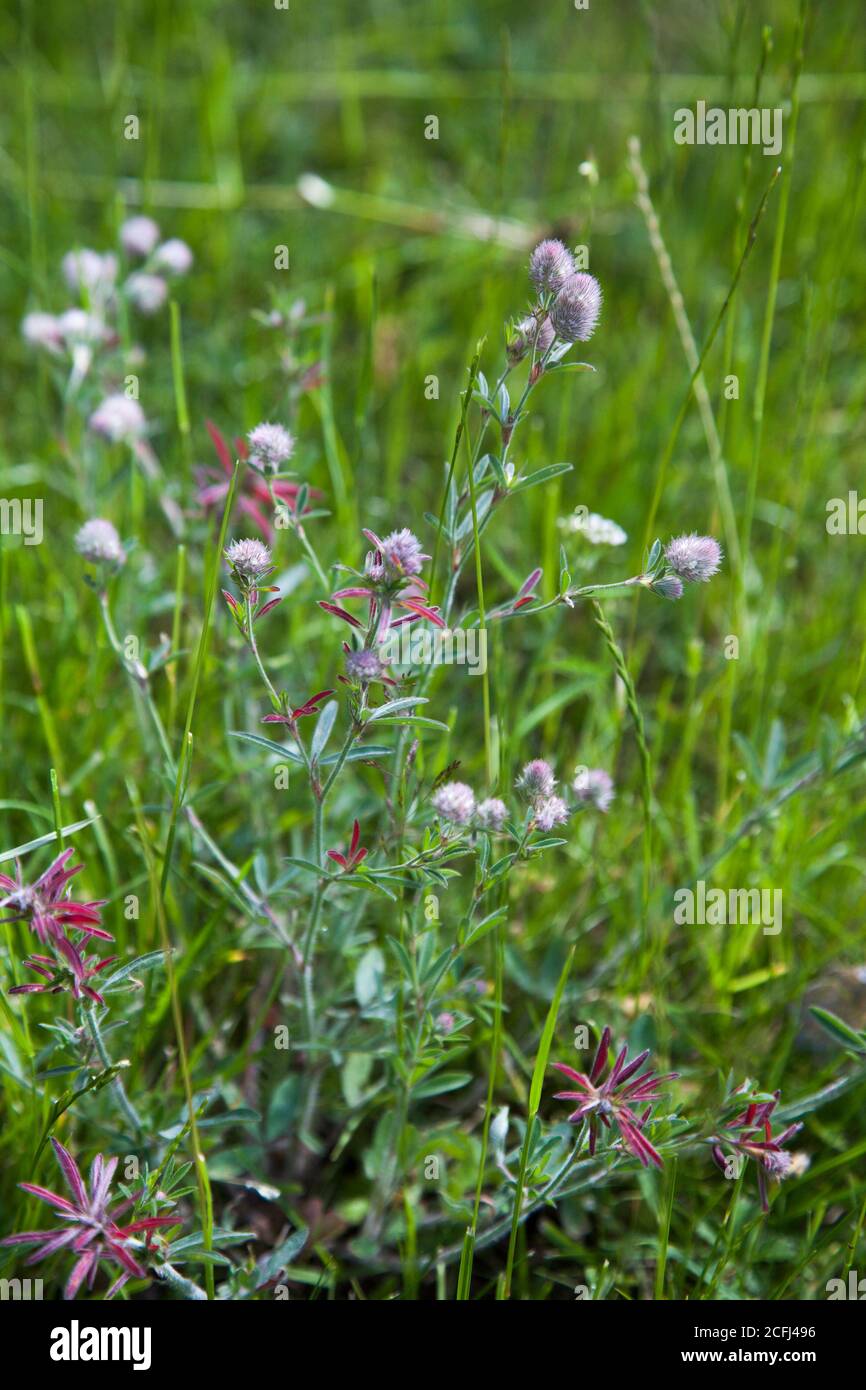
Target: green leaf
[439,1084]
[324,725]
[394,705]
[839,1030]
[543,475]
[547,1040]
[46,839]
[132,967]
[278,749]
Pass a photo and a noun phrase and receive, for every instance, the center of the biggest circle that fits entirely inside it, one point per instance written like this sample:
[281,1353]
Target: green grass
[740,772]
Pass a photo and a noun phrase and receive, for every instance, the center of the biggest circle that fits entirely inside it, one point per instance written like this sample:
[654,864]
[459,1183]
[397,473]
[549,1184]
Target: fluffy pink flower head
[399,555]
[173,257]
[694,558]
[118,418]
[250,559]
[43,331]
[594,786]
[536,779]
[549,811]
[88,1226]
[364,665]
[98,542]
[139,235]
[550,265]
[89,271]
[270,446]
[491,814]
[146,292]
[610,1101]
[454,802]
[574,313]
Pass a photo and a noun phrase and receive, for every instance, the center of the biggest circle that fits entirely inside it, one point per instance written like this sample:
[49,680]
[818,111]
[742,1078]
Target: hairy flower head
[139,235]
[694,558]
[549,811]
[173,257]
[270,446]
[98,542]
[146,292]
[550,265]
[574,313]
[250,559]
[536,779]
[454,802]
[118,418]
[491,814]
[364,665]
[594,787]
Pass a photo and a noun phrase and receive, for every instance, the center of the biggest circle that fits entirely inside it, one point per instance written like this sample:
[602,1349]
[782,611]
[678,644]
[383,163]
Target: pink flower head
[399,555]
[391,579]
[46,904]
[574,313]
[253,496]
[139,235]
[536,779]
[491,814]
[610,1101]
[88,1228]
[118,418]
[270,447]
[146,292]
[97,542]
[173,257]
[550,265]
[594,787]
[454,802]
[549,811]
[694,558]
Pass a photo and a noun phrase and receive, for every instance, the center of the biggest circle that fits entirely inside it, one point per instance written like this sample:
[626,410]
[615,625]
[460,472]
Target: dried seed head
[117,418]
[575,310]
[536,779]
[271,446]
[139,235]
[550,265]
[98,542]
[694,558]
[250,559]
[455,802]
